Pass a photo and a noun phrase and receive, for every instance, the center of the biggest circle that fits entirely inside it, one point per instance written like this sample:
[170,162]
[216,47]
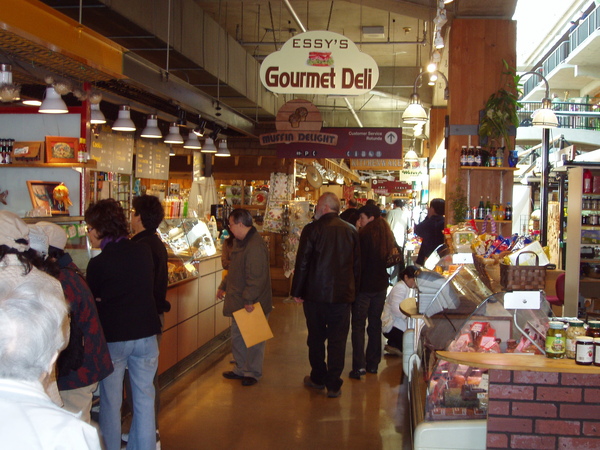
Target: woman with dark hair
[376,244]
[431,230]
[398,321]
[121,279]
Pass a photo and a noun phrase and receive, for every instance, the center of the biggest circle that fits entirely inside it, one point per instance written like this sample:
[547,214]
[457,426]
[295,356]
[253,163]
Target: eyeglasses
[88,229]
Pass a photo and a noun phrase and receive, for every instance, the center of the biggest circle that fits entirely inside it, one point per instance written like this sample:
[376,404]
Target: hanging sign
[319,62]
[414,170]
[385,187]
[377,164]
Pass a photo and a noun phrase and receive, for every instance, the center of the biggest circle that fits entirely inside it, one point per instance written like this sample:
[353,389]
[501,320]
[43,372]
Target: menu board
[112,152]
[152,160]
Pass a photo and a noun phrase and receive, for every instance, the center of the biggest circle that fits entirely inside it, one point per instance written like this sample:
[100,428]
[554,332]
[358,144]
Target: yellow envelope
[253,326]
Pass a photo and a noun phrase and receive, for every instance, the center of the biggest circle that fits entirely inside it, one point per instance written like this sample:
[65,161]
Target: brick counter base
[542,410]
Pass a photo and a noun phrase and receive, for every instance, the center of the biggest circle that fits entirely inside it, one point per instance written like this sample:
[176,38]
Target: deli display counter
[458,313]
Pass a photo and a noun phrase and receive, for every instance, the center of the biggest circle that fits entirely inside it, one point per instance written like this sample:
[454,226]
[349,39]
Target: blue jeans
[140,357]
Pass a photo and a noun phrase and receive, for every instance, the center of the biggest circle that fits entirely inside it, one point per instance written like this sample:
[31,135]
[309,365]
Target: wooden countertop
[512,361]
[408,307]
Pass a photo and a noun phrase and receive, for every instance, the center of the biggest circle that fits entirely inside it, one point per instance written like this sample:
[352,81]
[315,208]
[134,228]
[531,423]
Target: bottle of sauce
[587,181]
[575,330]
[555,341]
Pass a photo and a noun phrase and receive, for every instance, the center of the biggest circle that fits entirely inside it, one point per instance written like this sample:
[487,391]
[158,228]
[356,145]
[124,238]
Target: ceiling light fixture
[31,102]
[192,141]
[209,146]
[544,117]
[96,115]
[439,40]
[151,130]
[411,155]
[53,103]
[199,130]
[223,150]
[415,113]
[174,137]
[124,122]
[9,92]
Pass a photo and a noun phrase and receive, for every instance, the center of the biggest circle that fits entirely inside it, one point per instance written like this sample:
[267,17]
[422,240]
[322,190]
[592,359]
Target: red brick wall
[541,410]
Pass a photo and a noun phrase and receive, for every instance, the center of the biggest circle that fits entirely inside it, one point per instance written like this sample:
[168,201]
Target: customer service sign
[319,62]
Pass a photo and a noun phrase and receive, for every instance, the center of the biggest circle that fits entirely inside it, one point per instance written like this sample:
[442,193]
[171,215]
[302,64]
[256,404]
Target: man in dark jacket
[326,279]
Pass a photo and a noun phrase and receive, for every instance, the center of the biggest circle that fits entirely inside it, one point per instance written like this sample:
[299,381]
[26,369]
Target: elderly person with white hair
[33,330]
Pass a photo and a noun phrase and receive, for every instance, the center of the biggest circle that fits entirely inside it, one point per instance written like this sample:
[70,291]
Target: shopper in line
[86,359]
[20,264]
[431,230]
[398,321]
[399,221]
[350,214]
[326,279]
[34,328]
[376,244]
[248,283]
[121,279]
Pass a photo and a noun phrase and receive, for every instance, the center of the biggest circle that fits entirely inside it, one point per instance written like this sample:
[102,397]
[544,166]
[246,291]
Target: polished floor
[202,410]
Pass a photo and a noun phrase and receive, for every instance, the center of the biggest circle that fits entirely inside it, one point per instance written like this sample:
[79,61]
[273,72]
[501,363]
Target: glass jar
[584,350]
[593,329]
[597,351]
[575,330]
[555,341]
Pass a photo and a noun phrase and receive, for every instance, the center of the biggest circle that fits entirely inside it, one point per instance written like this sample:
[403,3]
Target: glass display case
[462,315]
[187,240]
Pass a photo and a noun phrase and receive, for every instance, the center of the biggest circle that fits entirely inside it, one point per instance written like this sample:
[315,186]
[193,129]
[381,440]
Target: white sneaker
[125,437]
[392,350]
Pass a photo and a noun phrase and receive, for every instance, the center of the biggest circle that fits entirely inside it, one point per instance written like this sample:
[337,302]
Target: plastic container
[555,341]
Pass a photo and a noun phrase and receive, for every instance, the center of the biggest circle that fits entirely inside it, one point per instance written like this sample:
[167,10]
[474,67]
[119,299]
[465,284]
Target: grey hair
[34,326]
[242,216]
[332,201]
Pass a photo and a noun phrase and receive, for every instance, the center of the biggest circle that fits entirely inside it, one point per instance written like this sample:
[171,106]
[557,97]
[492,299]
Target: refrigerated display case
[449,400]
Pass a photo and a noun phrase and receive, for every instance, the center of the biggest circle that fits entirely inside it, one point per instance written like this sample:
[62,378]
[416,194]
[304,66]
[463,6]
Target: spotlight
[199,130]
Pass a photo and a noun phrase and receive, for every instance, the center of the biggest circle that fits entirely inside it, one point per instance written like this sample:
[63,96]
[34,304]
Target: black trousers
[368,306]
[394,338]
[331,323]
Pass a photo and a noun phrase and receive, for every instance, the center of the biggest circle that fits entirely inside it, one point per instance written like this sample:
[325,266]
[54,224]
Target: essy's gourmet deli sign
[319,62]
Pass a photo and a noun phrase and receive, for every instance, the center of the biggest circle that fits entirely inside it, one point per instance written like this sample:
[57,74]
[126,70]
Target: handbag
[395,257]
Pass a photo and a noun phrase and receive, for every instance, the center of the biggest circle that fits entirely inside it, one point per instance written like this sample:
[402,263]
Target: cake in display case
[187,241]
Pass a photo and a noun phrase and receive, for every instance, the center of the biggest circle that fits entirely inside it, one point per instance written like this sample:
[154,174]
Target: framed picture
[61,149]
[41,196]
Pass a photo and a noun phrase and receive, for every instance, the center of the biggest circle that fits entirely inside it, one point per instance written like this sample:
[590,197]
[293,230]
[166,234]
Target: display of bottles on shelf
[6,150]
[497,211]
[476,156]
[590,204]
[175,207]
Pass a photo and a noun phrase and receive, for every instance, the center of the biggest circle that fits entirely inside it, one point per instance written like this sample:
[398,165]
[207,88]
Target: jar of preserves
[575,330]
[555,341]
[593,328]
[584,350]
[597,351]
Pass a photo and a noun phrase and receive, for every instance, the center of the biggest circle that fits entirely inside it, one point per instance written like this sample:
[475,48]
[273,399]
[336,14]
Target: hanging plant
[500,112]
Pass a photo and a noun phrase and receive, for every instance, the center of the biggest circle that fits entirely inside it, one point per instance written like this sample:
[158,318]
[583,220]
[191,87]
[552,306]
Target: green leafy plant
[459,203]
[500,112]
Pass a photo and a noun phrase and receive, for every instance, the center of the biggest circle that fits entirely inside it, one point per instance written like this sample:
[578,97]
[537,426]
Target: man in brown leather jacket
[326,277]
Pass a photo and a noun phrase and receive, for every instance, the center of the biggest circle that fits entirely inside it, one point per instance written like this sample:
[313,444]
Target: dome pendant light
[96,115]
[124,122]
[192,141]
[209,146]
[53,103]
[223,150]
[151,130]
[174,137]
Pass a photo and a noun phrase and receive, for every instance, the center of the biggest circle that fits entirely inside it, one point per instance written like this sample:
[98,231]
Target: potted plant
[459,203]
[500,112]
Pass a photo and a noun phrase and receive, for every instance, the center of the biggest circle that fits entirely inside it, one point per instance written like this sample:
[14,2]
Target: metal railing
[579,34]
[582,116]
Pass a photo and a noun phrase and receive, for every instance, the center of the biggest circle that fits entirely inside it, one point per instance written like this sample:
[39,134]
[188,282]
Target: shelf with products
[91,164]
[501,169]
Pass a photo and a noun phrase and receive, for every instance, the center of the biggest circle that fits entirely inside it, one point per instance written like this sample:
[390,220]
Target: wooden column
[477,48]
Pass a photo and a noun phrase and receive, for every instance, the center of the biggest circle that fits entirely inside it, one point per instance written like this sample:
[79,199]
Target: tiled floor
[202,410]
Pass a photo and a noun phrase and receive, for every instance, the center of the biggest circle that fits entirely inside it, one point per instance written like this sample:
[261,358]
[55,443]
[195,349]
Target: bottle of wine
[481,209]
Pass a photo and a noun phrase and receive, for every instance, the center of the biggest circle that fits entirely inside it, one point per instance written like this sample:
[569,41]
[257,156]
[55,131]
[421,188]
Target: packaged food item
[575,330]
[584,351]
[555,341]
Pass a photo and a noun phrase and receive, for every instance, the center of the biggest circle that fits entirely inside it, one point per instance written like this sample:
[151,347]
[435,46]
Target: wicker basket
[489,272]
[523,278]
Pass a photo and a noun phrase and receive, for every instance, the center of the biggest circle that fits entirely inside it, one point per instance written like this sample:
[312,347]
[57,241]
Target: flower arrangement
[500,112]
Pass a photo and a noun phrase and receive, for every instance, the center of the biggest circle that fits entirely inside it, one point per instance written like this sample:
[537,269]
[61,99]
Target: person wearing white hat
[18,265]
[80,366]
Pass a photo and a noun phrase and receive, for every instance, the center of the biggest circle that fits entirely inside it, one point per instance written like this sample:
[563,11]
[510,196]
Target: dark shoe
[392,351]
[356,374]
[334,394]
[371,370]
[308,382]
[232,376]
[249,381]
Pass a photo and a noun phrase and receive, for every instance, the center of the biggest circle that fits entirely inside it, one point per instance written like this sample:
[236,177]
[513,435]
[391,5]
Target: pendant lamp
[174,137]
[151,130]
[53,103]
[223,150]
[124,122]
[96,115]
[192,141]
[209,146]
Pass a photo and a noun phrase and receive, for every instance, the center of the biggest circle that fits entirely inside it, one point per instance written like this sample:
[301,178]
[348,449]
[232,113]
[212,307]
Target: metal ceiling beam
[149,76]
